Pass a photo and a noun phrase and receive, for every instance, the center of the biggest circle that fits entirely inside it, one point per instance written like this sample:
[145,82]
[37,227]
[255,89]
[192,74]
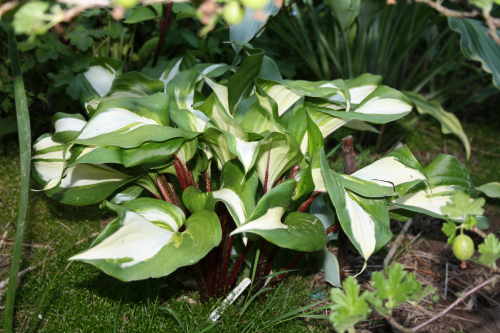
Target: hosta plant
[199,161]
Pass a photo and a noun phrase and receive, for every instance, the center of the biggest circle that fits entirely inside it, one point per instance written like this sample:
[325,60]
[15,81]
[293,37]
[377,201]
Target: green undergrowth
[58,296]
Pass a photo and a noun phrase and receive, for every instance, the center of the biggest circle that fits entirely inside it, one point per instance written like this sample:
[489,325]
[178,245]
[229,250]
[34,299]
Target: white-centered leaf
[233,200]
[136,240]
[270,220]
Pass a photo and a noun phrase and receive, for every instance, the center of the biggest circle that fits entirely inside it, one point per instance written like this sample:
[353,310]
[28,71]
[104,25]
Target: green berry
[127,3]
[255,4]
[233,13]
[463,247]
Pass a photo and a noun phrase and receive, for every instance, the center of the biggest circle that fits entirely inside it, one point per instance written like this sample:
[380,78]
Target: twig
[398,325]
[397,242]
[457,301]
[4,283]
[478,231]
[492,29]
[164,27]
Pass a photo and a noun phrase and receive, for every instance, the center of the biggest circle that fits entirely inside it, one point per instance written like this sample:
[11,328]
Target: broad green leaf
[141,14]
[449,123]
[127,193]
[218,143]
[287,92]
[96,81]
[490,251]
[399,170]
[86,184]
[450,229]
[365,221]
[345,11]
[237,191]
[241,83]
[67,126]
[144,241]
[300,231]
[329,264]
[463,205]
[129,122]
[397,287]
[132,84]
[277,153]
[349,307]
[257,119]
[153,154]
[477,45]
[490,189]
[446,176]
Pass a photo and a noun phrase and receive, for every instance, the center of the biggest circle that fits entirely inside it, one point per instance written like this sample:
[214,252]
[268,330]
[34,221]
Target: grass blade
[176,317]
[24,130]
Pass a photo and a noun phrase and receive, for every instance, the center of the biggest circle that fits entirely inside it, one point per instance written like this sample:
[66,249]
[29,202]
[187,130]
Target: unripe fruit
[463,247]
[233,13]
[255,4]
[126,3]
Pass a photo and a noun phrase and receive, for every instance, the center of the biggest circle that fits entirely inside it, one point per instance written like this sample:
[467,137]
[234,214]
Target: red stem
[237,265]
[292,264]
[270,260]
[306,203]
[226,257]
[188,175]
[208,183]
[262,260]
[164,26]
[294,171]
[180,175]
[196,271]
[266,179]
[332,228]
[220,253]
[282,178]
[164,189]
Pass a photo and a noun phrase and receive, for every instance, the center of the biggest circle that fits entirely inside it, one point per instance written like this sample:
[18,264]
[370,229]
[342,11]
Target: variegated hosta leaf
[129,122]
[449,123]
[446,176]
[67,126]
[383,105]
[144,240]
[48,160]
[490,189]
[399,169]
[215,111]
[184,91]
[97,80]
[167,70]
[237,192]
[218,143]
[300,231]
[364,220]
[251,24]
[360,87]
[132,84]
[152,154]
[258,120]
[277,153]
[326,122]
[287,92]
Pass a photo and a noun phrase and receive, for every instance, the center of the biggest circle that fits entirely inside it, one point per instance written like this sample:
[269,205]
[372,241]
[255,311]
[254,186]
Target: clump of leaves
[350,308]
